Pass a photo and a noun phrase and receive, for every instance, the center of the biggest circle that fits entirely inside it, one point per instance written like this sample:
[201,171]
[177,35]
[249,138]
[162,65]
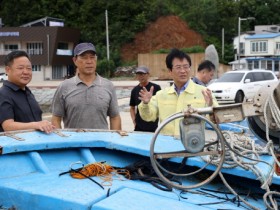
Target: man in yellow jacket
[176,98]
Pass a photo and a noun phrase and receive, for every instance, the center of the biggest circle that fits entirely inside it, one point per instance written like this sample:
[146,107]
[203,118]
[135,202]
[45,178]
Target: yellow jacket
[166,102]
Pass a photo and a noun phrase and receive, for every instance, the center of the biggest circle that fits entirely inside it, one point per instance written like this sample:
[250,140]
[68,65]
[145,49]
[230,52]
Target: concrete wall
[158,69]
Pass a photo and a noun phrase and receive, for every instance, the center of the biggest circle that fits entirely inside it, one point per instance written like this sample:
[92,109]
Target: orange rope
[93,169]
[105,171]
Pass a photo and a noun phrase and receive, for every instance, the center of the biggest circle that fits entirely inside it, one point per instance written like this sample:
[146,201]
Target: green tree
[127,17]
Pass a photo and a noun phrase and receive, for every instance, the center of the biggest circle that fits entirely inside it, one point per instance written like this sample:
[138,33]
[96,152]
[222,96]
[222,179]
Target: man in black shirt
[142,74]
[18,108]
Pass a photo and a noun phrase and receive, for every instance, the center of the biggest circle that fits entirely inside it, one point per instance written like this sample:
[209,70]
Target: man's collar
[97,80]
[13,86]
[189,87]
[182,89]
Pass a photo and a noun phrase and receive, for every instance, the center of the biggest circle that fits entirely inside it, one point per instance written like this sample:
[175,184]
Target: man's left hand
[208,96]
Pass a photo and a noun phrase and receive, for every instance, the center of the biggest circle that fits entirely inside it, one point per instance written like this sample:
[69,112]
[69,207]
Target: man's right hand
[146,95]
[45,126]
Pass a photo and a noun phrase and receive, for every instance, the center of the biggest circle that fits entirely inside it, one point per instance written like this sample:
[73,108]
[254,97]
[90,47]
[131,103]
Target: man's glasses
[181,67]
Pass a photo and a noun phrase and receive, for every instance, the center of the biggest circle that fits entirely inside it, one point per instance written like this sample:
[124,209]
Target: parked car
[235,86]
[3,76]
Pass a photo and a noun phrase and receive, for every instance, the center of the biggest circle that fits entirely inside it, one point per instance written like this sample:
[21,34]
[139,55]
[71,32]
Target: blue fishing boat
[225,167]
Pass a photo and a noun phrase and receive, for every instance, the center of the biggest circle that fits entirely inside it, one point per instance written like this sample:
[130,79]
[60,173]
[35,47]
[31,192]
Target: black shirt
[142,125]
[18,104]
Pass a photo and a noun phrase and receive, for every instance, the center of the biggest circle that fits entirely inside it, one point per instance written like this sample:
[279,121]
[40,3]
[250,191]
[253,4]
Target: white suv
[3,77]
[235,86]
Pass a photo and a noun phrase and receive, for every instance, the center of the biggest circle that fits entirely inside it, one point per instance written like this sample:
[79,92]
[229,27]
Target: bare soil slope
[165,33]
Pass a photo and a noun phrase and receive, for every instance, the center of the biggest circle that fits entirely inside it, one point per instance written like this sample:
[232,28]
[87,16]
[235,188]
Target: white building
[260,50]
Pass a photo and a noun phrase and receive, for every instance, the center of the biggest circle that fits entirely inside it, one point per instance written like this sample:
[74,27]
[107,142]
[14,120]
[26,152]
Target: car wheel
[239,97]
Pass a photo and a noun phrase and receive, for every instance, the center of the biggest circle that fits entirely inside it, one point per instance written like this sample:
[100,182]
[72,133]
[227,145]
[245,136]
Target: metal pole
[107,35]
[48,56]
[239,26]
[223,43]
[48,48]
[238,55]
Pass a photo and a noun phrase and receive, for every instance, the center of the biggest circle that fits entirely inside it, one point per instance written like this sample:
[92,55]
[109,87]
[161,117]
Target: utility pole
[239,28]
[223,43]
[107,35]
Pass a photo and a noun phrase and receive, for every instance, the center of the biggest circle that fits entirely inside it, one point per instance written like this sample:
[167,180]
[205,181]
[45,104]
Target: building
[259,50]
[49,44]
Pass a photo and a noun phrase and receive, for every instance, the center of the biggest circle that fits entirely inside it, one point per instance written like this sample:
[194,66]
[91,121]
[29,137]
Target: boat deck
[32,161]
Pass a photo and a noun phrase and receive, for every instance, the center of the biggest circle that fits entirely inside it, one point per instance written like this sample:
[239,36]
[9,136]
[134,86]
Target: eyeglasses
[181,67]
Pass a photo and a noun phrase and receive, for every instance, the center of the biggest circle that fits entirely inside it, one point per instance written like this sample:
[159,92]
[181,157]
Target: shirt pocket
[101,101]
[196,102]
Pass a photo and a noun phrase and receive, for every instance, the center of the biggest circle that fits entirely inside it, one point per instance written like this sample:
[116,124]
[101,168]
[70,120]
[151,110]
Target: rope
[93,169]
[235,193]
[238,148]
[104,171]
[274,203]
[271,105]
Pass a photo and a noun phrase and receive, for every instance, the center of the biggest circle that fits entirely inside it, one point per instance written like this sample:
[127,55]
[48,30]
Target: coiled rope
[239,147]
[104,171]
[271,105]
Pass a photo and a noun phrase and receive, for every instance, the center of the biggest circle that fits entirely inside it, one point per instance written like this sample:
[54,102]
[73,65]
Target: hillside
[165,33]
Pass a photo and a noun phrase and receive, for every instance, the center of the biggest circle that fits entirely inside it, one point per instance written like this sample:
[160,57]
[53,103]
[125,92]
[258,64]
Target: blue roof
[263,36]
[261,59]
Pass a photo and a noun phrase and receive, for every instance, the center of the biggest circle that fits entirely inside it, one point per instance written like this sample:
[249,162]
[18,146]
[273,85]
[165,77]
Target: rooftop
[262,36]
[46,21]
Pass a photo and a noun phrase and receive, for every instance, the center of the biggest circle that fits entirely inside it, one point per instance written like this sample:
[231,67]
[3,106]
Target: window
[36,67]
[11,47]
[269,65]
[57,72]
[249,76]
[268,76]
[277,45]
[250,65]
[231,77]
[256,64]
[63,49]
[277,48]
[263,64]
[242,48]
[276,66]
[259,46]
[35,48]
[258,76]
[62,46]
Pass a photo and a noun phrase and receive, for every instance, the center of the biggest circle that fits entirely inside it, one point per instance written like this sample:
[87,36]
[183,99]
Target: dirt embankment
[165,33]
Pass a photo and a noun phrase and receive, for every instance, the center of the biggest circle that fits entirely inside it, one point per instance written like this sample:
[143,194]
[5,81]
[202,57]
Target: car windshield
[231,77]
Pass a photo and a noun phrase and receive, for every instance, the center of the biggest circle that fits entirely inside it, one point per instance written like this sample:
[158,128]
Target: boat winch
[192,134]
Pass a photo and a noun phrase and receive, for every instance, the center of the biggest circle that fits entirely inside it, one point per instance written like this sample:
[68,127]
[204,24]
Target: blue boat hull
[32,161]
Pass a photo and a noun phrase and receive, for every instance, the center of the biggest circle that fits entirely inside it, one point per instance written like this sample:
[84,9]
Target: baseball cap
[83,47]
[142,69]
